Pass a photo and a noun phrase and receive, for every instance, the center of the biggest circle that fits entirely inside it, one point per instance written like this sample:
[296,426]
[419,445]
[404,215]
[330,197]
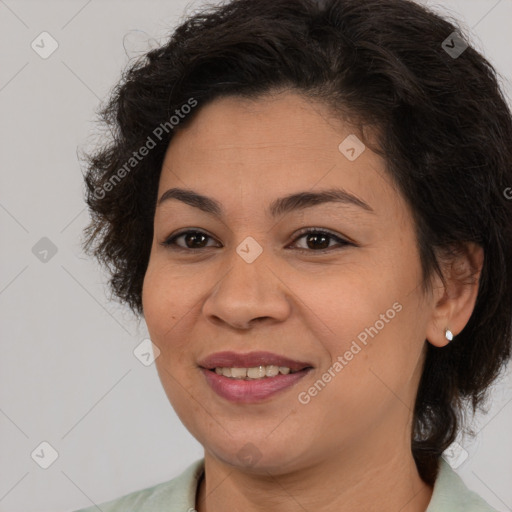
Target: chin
[248,455]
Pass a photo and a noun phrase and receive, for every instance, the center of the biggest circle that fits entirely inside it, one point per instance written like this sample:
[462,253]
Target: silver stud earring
[448,334]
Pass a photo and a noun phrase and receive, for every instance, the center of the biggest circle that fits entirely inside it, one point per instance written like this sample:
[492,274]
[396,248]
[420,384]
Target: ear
[453,304]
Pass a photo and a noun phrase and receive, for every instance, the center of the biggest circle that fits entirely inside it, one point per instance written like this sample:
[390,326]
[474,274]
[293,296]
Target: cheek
[343,301]
[165,317]
[153,299]
[366,317]
[171,298]
[167,293]
[163,301]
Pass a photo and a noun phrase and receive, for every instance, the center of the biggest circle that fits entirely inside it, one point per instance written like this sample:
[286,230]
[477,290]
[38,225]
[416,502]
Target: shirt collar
[450,493]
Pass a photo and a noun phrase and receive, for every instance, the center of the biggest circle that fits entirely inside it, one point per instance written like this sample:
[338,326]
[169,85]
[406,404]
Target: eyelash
[170,242]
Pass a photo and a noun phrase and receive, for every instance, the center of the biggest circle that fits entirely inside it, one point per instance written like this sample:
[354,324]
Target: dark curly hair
[445,132]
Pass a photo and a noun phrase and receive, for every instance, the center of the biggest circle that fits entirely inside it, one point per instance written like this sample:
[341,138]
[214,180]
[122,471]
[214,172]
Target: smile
[256,372]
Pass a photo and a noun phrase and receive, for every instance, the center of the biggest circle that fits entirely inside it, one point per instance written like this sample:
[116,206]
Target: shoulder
[452,495]
[177,494]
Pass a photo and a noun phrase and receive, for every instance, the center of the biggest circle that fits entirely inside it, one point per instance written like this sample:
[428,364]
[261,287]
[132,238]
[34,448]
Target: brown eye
[192,240]
[316,241]
[319,240]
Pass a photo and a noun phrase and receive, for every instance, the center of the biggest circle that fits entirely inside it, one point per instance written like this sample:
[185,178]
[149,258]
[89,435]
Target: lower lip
[251,391]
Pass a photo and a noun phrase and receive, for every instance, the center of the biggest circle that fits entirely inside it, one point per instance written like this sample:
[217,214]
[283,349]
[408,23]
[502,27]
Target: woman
[307,202]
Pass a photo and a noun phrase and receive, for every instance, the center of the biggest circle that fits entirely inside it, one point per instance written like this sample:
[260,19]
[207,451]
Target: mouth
[253,365]
[249,378]
[255,372]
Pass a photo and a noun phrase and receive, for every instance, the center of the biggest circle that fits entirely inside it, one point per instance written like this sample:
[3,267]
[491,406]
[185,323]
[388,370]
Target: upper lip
[250,360]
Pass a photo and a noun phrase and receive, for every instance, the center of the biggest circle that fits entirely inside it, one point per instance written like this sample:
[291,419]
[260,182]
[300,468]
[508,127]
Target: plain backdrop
[68,374]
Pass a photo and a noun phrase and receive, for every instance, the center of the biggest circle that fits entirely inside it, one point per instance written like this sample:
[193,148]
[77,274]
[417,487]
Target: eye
[194,239]
[317,240]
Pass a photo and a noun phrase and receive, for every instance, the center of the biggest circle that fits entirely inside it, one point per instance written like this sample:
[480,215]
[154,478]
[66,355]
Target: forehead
[270,122]
[269,147]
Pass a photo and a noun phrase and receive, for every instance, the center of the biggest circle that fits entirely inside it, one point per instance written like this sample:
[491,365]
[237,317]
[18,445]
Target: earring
[448,334]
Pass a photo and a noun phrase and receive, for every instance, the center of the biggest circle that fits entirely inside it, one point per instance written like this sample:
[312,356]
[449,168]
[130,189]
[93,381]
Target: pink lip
[250,360]
[250,391]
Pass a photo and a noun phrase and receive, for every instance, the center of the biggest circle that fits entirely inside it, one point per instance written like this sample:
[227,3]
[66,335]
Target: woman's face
[252,281]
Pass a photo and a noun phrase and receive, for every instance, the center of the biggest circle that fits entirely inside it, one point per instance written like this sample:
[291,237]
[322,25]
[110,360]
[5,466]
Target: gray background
[68,375]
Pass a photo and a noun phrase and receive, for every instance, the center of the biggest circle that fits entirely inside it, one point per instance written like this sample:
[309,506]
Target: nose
[249,293]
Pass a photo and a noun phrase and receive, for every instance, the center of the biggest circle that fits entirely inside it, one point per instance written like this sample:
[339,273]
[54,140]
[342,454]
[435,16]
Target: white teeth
[238,373]
[256,372]
[272,371]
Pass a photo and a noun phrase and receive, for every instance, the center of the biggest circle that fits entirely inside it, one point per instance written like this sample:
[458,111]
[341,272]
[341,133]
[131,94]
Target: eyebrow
[280,206]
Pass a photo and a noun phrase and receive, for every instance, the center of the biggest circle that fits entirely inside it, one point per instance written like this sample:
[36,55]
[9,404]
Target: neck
[379,483]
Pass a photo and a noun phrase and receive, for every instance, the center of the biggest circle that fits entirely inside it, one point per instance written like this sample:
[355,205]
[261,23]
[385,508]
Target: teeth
[236,373]
[256,372]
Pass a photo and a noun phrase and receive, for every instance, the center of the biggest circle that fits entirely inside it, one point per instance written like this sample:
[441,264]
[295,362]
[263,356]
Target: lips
[250,360]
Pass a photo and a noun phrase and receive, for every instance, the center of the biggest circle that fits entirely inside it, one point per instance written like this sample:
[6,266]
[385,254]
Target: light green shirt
[179,495]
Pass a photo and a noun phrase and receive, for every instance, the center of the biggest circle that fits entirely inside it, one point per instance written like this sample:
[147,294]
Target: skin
[347,447]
